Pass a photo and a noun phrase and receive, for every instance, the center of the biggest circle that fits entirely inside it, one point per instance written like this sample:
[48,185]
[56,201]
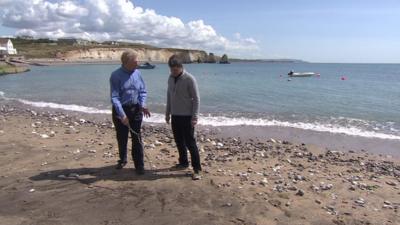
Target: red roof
[4,40]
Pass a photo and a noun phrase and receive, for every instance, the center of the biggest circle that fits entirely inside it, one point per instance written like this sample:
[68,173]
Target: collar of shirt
[127,71]
[179,76]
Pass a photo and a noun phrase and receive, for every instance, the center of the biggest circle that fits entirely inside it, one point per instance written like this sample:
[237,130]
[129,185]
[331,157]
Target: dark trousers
[184,139]
[135,120]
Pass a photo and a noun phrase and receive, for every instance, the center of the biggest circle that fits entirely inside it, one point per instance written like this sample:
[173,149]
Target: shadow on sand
[92,175]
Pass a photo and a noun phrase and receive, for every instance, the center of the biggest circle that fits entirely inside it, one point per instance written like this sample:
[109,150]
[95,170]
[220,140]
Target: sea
[352,99]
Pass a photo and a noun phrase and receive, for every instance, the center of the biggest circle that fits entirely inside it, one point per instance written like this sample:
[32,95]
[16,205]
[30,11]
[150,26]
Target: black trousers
[135,121]
[185,139]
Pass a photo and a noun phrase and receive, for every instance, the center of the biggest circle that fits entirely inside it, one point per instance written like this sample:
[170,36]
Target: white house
[7,47]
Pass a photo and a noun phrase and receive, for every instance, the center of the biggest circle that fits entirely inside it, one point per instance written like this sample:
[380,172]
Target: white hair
[128,55]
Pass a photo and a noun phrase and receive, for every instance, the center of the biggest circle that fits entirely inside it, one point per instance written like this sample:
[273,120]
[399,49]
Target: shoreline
[57,163]
[320,139]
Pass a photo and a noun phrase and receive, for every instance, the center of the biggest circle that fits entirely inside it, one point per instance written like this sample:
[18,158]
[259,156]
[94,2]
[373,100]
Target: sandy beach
[58,168]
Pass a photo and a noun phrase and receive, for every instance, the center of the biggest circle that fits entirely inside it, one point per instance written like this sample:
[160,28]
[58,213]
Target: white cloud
[116,20]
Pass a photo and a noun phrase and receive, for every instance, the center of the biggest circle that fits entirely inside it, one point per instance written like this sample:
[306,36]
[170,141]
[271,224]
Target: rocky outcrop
[152,55]
[211,58]
[224,59]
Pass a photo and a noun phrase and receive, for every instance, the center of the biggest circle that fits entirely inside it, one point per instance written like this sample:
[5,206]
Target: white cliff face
[154,55]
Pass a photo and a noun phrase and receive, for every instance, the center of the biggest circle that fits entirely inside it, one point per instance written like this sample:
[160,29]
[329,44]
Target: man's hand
[194,122]
[167,118]
[146,112]
[125,121]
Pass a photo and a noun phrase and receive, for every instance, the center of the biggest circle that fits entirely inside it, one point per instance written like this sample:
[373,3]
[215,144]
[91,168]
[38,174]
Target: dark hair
[175,61]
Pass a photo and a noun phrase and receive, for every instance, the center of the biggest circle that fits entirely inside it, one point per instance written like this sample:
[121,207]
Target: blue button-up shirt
[127,88]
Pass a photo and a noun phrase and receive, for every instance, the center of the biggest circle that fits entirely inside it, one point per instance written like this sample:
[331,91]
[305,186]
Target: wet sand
[338,142]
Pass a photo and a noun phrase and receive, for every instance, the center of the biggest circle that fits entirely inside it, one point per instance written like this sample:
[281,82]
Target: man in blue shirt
[128,97]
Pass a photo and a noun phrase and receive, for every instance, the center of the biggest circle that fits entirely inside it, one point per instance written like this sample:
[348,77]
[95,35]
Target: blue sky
[318,31]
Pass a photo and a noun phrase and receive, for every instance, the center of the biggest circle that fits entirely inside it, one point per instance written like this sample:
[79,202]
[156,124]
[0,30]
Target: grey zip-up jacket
[183,97]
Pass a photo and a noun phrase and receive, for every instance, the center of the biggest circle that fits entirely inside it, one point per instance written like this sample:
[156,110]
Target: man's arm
[194,93]
[115,97]
[168,107]
[143,97]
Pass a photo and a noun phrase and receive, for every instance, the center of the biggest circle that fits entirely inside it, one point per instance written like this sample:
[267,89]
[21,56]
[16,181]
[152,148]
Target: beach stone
[300,192]
[44,136]
[228,204]
[92,151]
[275,202]
[387,202]
[158,143]
[387,206]
[391,183]
[264,182]
[32,190]
[360,202]
[73,175]
[352,188]
[325,187]
[108,155]
[165,151]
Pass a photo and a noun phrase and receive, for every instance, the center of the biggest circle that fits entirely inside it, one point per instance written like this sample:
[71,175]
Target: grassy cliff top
[45,48]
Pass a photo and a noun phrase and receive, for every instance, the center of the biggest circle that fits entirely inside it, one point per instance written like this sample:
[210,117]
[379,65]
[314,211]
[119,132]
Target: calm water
[366,104]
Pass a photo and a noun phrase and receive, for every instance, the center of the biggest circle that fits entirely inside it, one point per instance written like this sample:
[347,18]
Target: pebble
[92,151]
[108,155]
[391,183]
[44,136]
[74,175]
[300,192]
[32,190]
[165,151]
[325,187]
[158,143]
[360,201]
[264,182]
[227,204]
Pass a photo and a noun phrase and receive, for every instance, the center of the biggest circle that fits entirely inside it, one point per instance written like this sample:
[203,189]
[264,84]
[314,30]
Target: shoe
[140,171]
[120,165]
[196,175]
[180,167]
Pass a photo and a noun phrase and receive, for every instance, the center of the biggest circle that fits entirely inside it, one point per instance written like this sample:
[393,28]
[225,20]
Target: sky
[345,31]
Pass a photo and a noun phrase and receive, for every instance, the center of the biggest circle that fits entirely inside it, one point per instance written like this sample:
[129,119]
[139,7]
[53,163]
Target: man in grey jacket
[183,102]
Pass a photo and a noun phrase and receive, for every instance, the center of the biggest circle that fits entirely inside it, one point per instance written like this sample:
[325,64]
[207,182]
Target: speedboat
[304,74]
[146,65]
